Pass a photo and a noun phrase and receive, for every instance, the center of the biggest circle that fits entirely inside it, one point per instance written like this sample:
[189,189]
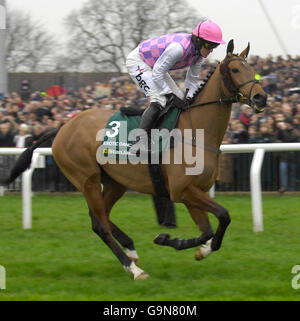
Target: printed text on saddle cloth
[188,150]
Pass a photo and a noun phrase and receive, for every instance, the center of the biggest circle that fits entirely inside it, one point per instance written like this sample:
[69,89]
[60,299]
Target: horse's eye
[235,70]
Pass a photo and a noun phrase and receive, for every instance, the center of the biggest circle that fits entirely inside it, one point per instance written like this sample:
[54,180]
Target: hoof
[203,251]
[198,255]
[142,276]
[161,239]
[138,273]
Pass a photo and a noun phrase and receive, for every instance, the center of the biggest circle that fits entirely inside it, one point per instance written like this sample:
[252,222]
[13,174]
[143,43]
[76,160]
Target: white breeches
[141,74]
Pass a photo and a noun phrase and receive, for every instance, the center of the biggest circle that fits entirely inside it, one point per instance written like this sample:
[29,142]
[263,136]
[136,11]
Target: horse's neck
[213,118]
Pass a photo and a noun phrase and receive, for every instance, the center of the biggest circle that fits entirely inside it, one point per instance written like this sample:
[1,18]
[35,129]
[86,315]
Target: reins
[238,97]
[219,101]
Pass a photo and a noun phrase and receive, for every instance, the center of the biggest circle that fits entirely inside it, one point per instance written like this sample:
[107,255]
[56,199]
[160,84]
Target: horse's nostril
[260,100]
[258,97]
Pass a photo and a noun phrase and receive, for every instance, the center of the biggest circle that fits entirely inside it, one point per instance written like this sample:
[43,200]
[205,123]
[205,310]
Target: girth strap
[207,147]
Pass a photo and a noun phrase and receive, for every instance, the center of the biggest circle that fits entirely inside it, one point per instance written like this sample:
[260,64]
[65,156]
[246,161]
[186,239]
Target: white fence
[38,161]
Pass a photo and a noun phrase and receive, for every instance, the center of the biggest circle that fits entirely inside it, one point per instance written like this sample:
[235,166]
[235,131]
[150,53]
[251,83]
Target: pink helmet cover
[210,31]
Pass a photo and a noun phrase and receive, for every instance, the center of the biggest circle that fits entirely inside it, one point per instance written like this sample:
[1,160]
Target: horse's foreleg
[101,225]
[195,197]
[201,220]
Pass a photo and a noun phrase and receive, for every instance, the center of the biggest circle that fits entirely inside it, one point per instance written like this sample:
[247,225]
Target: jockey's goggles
[210,45]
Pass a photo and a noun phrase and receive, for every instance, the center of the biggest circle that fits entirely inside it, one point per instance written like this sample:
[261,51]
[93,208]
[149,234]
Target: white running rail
[38,161]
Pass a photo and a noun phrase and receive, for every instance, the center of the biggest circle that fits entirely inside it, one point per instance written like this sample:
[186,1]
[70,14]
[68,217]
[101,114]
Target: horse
[75,147]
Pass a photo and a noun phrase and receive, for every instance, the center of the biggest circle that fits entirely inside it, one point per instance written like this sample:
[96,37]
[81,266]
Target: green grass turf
[61,258]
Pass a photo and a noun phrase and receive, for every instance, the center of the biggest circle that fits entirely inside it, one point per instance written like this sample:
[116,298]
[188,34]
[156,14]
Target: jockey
[149,64]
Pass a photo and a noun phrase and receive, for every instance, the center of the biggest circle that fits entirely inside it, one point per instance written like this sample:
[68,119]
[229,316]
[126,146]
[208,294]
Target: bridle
[237,97]
[235,90]
[240,97]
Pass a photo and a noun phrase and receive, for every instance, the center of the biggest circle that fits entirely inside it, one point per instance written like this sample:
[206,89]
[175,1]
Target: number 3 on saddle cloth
[119,137]
[122,129]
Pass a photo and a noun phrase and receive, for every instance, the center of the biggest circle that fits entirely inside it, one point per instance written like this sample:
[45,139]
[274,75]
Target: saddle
[155,169]
[173,103]
[168,118]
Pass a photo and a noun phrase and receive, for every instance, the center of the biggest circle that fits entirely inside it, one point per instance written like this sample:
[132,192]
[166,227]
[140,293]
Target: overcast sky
[241,20]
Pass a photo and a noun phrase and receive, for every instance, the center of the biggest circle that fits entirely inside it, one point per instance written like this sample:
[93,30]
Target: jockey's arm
[164,63]
[192,77]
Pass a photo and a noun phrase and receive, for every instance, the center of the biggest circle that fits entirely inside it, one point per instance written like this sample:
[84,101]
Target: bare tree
[102,33]
[29,46]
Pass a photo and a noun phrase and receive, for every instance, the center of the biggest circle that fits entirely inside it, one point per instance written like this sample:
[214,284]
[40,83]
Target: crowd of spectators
[25,116]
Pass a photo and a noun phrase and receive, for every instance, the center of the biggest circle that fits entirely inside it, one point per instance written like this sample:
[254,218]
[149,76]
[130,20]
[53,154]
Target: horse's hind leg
[125,241]
[120,236]
[112,192]
[101,224]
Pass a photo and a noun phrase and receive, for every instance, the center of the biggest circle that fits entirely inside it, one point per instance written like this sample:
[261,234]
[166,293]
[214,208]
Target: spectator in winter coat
[287,165]
[6,135]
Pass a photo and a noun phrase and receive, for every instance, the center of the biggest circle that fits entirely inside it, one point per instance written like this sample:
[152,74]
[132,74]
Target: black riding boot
[148,119]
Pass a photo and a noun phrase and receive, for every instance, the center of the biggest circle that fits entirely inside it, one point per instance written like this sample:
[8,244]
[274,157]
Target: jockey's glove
[170,98]
[189,100]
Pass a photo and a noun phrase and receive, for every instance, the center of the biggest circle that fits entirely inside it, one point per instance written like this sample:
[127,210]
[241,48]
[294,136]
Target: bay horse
[75,147]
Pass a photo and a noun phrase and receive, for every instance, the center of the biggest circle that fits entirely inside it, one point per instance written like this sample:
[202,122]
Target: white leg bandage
[132,254]
[206,248]
[136,271]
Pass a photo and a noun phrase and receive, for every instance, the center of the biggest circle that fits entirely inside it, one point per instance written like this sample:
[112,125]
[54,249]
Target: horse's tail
[25,158]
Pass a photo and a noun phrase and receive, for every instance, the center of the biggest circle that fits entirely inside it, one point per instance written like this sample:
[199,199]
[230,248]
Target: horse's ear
[245,52]
[230,48]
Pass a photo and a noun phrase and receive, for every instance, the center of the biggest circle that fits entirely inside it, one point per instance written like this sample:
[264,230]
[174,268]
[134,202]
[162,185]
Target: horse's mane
[204,82]
[228,82]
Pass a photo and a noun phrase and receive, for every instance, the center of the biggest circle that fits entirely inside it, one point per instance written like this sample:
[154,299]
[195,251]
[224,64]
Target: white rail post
[38,161]
[26,199]
[234,148]
[255,182]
